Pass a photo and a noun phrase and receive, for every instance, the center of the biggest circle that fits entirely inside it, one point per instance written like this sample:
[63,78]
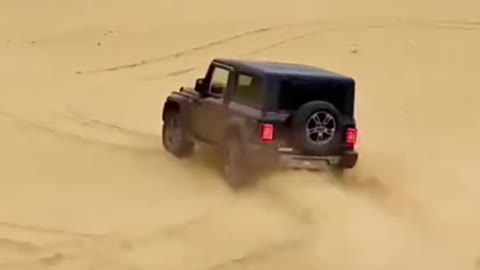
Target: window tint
[296,92]
[219,81]
[248,90]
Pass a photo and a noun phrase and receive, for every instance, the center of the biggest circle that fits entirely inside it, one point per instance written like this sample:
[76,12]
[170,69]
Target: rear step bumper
[348,160]
[273,157]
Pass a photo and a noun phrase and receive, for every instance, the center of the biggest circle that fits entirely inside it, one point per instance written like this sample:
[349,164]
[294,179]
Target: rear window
[248,90]
[293,93]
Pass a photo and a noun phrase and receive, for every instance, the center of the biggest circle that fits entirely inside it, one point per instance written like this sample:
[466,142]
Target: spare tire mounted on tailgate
[317,127]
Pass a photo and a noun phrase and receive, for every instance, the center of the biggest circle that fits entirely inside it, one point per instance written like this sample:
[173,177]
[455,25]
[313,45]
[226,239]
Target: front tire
[174,136]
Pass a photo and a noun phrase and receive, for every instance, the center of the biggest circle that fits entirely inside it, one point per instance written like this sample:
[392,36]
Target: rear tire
[174,136]
[346,162]
[236,171]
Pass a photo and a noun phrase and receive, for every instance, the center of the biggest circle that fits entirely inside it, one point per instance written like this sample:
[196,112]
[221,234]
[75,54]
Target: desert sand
[85,183]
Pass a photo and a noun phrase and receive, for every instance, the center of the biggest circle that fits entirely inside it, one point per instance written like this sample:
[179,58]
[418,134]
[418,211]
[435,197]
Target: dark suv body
[263,115]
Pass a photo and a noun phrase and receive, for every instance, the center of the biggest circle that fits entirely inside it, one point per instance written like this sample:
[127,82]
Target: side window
[219,81]
[248,90]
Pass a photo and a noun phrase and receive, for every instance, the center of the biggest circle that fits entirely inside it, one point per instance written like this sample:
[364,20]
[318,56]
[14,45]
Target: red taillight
[351,137]
[267,133]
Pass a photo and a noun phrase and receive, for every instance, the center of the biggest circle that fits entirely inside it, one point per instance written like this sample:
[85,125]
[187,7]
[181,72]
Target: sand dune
[86,184]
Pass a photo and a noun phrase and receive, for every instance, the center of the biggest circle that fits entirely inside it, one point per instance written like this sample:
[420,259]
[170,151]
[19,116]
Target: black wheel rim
[320,127]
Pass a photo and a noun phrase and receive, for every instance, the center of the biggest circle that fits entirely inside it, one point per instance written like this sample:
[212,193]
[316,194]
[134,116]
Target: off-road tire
[299,125]
[236,170]
[345,163]
[173,128]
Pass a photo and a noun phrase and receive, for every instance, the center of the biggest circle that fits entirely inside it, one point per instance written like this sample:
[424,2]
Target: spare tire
[317,128]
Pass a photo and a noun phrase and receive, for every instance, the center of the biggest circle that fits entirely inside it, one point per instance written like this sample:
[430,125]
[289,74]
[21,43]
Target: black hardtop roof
[280,68]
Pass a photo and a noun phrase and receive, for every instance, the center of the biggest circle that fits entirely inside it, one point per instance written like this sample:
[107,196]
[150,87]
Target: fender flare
[234,128]
[179,104]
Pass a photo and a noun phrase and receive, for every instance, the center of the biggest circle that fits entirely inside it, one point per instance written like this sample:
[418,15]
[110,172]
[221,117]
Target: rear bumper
[347,160]
[269,157]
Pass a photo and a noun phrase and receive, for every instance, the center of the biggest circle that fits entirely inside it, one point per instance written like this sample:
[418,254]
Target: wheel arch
[235,128]
[170,106]
[232,131]
[175,103]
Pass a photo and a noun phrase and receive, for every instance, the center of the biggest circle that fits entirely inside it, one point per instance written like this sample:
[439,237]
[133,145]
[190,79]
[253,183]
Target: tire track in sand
[46,230]
[58,252]
[191,50]
[261,254]
[190,69]
[98,247]
[91,140]
[438,24]
[426,24]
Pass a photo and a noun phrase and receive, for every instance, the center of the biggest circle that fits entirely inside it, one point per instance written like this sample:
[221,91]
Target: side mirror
[200,85]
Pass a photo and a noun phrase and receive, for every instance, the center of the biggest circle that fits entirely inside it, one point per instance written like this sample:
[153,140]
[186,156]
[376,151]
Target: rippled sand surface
[85,183]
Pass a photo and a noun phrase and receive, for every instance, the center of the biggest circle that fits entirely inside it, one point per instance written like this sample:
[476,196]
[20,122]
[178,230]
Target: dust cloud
[87,185]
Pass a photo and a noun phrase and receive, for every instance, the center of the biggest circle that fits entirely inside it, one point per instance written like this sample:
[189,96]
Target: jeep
[264,115]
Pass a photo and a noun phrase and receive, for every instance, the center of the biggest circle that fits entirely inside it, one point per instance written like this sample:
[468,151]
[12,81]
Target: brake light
[351,137]
[267,133]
